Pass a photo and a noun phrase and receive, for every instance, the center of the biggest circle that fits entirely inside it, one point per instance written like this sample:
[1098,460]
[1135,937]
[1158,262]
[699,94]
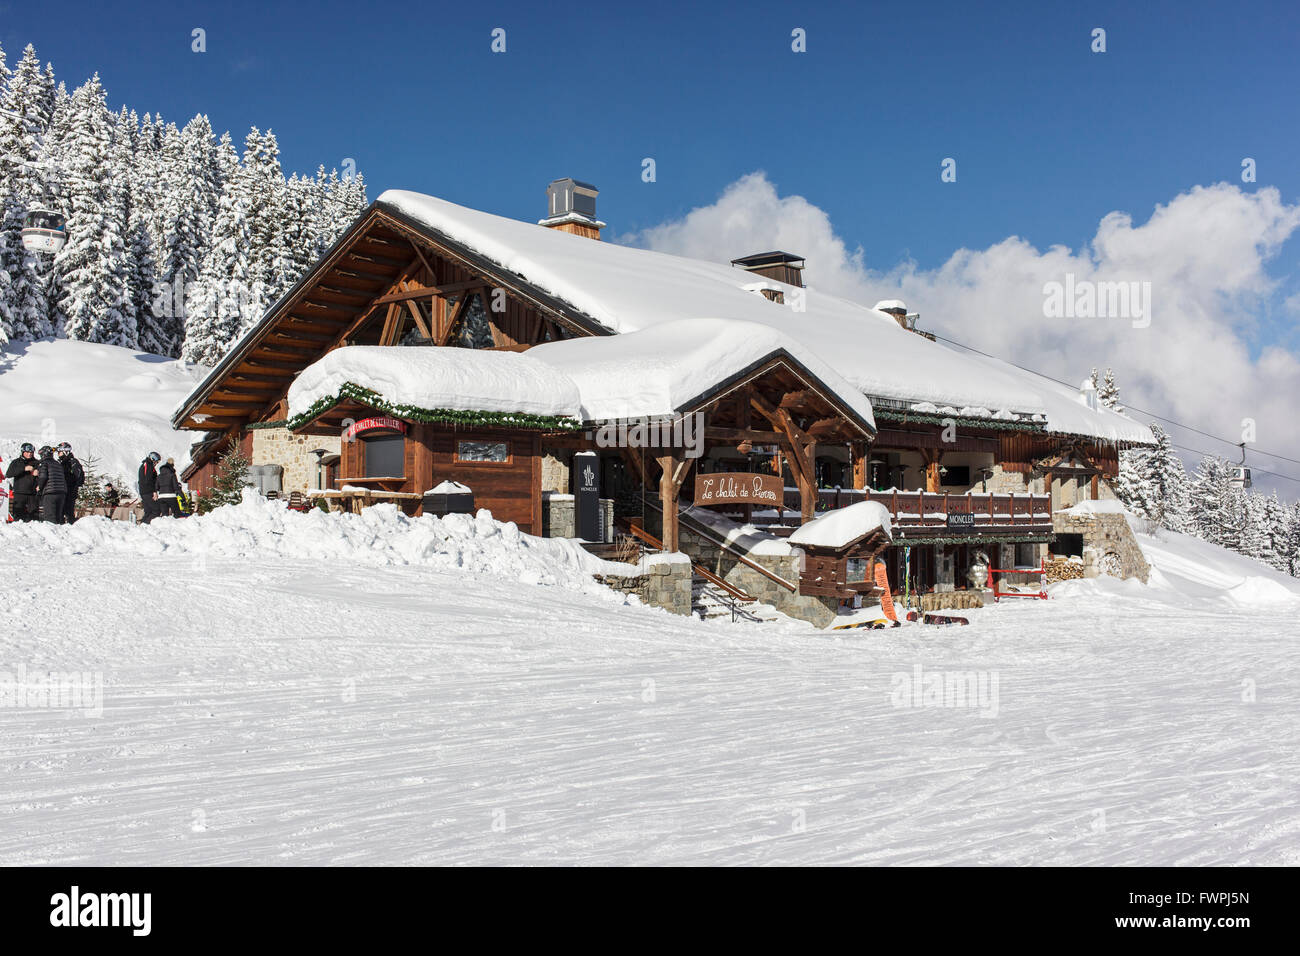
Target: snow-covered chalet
[437,356]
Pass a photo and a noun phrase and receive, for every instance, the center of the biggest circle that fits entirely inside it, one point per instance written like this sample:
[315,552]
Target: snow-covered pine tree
[264,196]
[1292,547]
[1253,541]
[1128,483]
[224,295]
[1273,531]
[21,139]
[1108,392]
[183,211]
[1162,482]
[1215,509]
[296,247]
[92,267]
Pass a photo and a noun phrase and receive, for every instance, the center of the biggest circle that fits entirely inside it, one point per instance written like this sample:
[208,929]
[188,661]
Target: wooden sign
[739,488]
[373,424]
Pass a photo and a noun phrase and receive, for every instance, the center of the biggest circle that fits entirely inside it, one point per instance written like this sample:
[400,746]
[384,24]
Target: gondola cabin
[44,231]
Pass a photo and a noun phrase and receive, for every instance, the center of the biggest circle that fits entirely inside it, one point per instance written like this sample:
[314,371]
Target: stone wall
[558,519]
[663,581]
[818,611]
[279,446]
[1109,545]
[557,463]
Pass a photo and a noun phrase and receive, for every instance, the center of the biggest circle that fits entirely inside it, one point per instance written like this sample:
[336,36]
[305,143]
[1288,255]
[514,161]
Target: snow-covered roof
[666,368]
[843,526]
[429,378]
[626,289]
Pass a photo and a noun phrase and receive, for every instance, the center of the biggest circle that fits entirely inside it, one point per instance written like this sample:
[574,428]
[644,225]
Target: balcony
[939,514]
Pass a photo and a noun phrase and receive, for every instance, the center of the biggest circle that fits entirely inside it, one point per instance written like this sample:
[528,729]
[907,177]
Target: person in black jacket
[147,485]
[75,476]
[22,490]
[52,486]
[169,486]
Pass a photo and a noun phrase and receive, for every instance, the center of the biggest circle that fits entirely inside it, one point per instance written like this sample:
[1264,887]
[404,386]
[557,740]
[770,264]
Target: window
[385,456]
[489,451]
[957,476]
[475,330]
[1026,555]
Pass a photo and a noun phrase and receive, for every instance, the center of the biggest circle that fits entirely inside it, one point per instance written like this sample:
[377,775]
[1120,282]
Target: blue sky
[1048,136]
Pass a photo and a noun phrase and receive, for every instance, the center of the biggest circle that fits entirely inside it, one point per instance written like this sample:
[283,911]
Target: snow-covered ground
[282,688]
[109,403]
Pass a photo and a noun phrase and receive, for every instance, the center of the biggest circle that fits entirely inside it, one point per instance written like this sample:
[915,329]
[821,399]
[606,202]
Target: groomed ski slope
[368,704]
[112,404]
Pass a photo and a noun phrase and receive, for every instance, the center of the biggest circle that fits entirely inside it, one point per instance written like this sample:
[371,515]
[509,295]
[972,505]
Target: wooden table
[352,500]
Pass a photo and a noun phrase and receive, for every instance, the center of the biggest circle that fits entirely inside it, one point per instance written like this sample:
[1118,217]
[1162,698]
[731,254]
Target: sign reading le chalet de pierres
[738,487]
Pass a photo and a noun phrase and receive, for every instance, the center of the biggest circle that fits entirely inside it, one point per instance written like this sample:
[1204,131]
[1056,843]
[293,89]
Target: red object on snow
[1042,583]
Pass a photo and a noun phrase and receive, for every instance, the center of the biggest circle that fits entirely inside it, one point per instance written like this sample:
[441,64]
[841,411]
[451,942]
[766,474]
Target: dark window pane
[385,457]
[483,451]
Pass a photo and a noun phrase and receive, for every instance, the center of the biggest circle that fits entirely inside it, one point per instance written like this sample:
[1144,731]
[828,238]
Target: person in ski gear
[52,486]
[147,485]
[22,473]
[169,486]
[112,498]
[75,476]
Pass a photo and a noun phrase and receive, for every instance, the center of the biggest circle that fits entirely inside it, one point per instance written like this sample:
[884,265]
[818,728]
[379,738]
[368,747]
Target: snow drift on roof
[843,526]
[628,290]
[661,370]
[471,380]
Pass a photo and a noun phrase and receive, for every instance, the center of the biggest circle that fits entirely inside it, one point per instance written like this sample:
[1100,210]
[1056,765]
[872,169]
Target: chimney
[898,310]
[571,207]
[781,266]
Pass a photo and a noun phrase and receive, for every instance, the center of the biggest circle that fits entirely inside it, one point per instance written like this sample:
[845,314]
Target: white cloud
[1204,254]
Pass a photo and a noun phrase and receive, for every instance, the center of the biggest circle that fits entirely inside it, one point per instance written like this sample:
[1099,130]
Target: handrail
[705,531]
[703,572]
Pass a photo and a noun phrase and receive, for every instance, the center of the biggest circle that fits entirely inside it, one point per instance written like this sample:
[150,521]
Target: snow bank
[471,380]
[380,536]
[842,526]
[109,403]
[1195,569]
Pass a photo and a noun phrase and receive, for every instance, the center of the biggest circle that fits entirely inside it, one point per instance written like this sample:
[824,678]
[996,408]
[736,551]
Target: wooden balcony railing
[929,509]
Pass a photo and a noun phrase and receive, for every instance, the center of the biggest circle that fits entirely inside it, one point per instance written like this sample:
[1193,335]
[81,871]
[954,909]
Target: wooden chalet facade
[392,281]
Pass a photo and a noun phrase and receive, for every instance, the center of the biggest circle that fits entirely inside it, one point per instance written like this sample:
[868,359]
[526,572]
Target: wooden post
[860,471]
[675,466]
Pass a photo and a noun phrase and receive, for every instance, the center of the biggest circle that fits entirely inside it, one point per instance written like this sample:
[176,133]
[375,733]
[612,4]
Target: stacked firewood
[1062,569]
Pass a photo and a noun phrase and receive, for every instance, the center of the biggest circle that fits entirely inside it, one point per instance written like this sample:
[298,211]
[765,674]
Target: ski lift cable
[1258,471]
[1142,411]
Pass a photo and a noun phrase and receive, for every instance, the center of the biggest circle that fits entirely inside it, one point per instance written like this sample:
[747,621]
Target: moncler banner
[586,496]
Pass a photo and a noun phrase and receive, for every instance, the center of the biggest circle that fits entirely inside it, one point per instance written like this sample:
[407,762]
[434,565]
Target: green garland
[902,539]
[278,423]
[930,418]
[452,416]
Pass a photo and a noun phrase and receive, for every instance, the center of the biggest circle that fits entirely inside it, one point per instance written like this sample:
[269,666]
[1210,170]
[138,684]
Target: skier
[22,493]
[52,485]
[75,476]
[147,485]
[169,487]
